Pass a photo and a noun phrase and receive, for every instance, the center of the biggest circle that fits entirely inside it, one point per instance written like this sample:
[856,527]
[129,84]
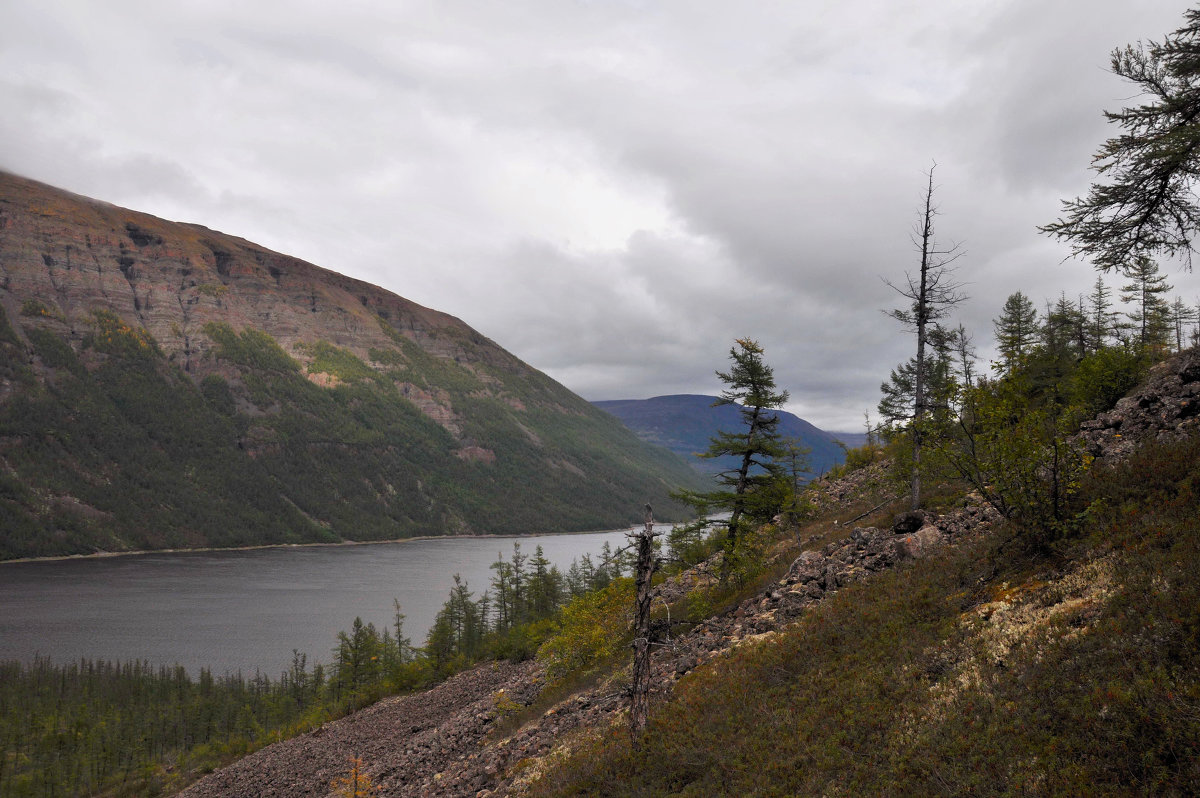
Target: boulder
[808,567]
[919,543]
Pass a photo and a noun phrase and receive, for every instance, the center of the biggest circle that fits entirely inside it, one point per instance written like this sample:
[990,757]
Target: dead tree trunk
[639,708]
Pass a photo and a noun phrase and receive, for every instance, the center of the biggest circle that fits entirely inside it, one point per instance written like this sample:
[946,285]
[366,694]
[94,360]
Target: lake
[246,610]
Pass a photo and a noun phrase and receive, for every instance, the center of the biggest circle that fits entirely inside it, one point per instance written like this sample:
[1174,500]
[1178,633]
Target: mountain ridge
[684,423]
[164,385]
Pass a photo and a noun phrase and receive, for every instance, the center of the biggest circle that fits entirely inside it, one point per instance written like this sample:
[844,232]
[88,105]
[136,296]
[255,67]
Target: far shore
[99,555]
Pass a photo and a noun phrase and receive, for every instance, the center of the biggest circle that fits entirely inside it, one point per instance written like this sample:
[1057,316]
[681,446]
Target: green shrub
[216,392]
[114,337]
[35,308]
[341,363]
[1105,376]
[53,350]
[594,627]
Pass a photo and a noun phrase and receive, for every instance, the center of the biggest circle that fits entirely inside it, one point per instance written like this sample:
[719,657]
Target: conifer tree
[403,644]
[1182,314]
[1102,319]
[932,293]
[1151,314]
[899,392]
[357,657]
[746,489]
[1065,329]
[1148,204]
[965,352]
[1017,329]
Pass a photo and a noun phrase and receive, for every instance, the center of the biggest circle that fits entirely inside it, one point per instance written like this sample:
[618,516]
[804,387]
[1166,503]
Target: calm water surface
[245,610]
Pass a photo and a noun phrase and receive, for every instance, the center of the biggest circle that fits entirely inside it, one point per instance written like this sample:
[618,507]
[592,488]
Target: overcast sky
[612,190]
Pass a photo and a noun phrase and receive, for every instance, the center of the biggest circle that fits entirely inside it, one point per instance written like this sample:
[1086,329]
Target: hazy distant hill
[684,423]
[166,385]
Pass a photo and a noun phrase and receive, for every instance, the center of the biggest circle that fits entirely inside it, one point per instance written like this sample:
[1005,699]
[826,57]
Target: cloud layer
[613,191]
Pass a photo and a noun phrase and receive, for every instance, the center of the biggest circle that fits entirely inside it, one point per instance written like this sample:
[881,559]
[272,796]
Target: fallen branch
[868,512]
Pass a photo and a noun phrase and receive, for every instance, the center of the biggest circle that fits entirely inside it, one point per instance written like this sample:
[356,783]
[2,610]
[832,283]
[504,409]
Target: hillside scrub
[894,685]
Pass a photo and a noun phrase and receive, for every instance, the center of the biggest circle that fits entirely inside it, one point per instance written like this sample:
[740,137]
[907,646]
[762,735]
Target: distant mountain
[165,385]
[684,423]
[853,440]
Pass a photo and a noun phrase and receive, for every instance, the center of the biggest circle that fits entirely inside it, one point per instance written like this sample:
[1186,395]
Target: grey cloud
[613,191]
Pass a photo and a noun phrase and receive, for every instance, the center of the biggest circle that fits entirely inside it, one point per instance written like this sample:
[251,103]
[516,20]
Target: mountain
[164,385]
[684,423]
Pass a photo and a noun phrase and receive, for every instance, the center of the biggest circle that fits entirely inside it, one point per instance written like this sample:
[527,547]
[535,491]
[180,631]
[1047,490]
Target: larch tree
[1182,314]
[932,292]
[747,488]
[965,352]
[1151,314]
[1065,331]
[1145,201]
[1017,329]
[1102,319]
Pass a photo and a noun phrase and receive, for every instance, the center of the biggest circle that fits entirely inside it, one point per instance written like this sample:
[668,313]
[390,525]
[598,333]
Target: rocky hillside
[929,654]
[166,385]
[685,423]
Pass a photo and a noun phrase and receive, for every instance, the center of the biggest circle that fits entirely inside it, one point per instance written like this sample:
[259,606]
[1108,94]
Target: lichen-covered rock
[920,543]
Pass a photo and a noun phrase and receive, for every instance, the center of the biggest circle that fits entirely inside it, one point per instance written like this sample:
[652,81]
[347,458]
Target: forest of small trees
[1009,430]
[132,728]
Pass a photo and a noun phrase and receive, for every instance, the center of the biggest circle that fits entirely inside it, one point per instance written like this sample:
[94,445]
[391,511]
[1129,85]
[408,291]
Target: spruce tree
[899,392]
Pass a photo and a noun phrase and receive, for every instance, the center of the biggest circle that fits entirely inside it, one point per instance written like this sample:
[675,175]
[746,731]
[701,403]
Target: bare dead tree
[933,293]
[639,709]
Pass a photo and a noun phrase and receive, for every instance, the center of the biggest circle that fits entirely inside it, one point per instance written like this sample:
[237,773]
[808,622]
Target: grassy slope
[987,670]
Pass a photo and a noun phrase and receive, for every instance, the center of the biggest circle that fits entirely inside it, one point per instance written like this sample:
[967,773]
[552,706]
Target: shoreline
[104,555]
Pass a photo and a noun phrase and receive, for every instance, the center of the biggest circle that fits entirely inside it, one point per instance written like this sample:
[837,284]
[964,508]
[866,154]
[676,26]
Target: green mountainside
[163,385]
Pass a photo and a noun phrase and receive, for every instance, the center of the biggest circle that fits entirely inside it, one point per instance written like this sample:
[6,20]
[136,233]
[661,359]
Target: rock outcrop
[1164,407]
[75,255]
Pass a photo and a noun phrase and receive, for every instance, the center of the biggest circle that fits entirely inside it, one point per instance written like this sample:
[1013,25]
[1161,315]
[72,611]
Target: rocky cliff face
[75,256]
[166,385]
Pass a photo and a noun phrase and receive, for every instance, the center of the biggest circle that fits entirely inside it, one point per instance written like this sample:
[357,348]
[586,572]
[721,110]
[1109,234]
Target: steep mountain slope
[684,423]
[165,385]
